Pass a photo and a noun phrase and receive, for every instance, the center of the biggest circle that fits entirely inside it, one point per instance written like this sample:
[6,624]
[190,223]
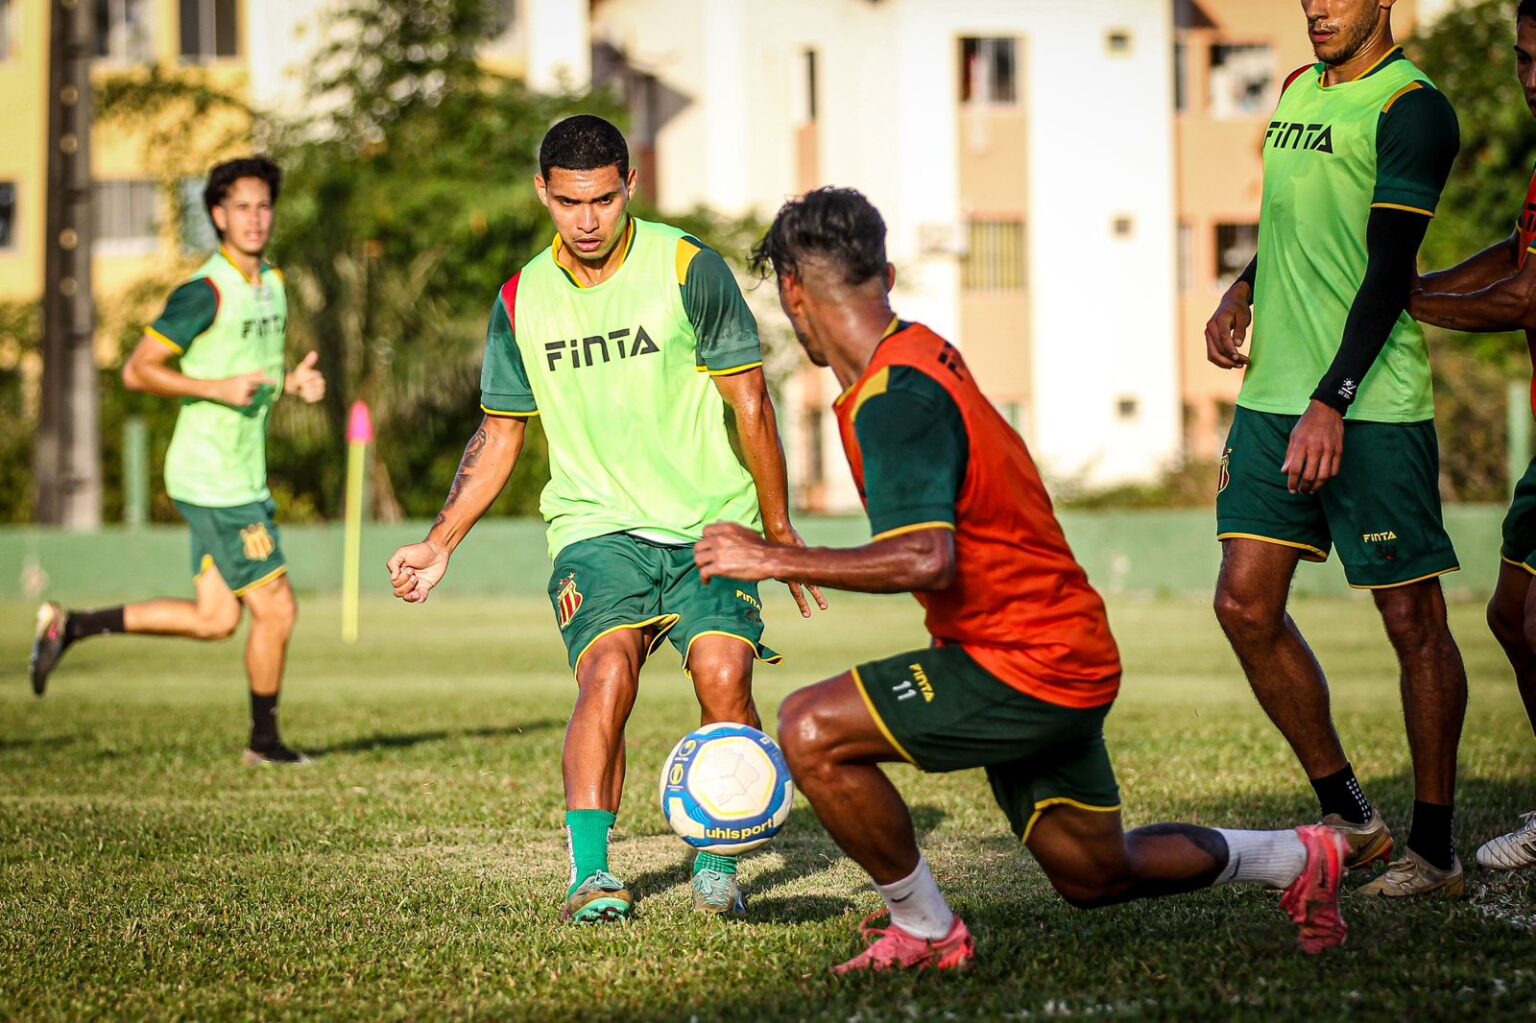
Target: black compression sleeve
[1392,239]
[1250,274]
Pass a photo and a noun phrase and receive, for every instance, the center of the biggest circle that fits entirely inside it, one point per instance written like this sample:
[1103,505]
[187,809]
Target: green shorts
[944,712]
[1382,510]
[619,581]
[242,542]
[1520,523]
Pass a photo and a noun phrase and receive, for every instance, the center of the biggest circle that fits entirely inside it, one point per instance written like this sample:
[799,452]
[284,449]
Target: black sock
[84,624]
[1340,793]
[263,721]
[1430,835]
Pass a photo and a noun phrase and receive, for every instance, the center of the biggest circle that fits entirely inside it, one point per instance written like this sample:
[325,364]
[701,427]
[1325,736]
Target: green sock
[588,834]
[711,861]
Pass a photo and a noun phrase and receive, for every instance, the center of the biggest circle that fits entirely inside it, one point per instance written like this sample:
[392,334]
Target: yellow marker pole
[359,436]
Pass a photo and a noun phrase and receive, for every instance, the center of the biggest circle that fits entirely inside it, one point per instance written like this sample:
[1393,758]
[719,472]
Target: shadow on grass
[51,742]
[405,740]
[804,849]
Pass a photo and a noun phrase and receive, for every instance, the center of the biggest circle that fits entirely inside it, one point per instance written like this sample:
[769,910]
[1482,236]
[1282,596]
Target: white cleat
[1513,851]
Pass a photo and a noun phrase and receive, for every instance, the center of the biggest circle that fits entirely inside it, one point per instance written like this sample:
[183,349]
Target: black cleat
[48,643]
[273,753]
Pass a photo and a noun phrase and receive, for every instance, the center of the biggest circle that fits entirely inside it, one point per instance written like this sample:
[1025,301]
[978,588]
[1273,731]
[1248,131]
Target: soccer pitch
[414,870]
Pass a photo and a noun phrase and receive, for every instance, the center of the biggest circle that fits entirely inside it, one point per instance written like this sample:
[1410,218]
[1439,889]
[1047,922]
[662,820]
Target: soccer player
[1333,441]
[1022,668]
[1495,290]
[225,329]
[624,336]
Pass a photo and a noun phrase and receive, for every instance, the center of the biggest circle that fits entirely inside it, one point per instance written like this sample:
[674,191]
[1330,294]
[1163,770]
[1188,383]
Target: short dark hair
[581,143]
[835,224]
[223,177]
[1527,9]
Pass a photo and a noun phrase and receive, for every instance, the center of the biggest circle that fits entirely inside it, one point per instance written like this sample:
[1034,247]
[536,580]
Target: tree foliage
[1469,53]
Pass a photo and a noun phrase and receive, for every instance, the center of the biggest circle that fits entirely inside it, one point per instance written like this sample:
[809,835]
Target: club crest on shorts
[257,542]
[567,599]
[1224,471]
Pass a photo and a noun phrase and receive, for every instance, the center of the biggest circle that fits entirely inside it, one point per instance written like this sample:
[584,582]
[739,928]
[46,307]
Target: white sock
[917,906]
[1275,858]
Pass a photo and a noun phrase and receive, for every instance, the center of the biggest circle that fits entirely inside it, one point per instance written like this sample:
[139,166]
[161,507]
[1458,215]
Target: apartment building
[1021,153]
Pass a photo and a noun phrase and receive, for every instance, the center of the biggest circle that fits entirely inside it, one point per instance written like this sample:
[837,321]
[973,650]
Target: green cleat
[717,892]
[600,899]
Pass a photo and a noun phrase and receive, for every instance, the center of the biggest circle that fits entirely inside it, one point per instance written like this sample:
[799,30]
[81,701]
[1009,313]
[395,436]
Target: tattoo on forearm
[472,452]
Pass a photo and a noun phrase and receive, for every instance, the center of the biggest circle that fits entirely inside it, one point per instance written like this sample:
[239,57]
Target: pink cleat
[1312,900]
[892,948]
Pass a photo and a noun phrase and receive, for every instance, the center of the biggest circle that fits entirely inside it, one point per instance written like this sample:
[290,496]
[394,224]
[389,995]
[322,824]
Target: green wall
[1145,553]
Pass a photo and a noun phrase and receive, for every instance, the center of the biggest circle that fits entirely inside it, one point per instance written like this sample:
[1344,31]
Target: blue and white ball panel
[726,789]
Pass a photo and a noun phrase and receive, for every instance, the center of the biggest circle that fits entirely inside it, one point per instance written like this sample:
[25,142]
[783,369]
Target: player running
[1495,290]
[1333,441]
[226,326]
[1022,669]
[624,336]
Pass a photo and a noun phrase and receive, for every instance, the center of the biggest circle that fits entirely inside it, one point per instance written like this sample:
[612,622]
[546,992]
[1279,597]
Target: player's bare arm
[1506,303]
[149,371]
[758,430]
[1488,267]
[916,562]
[1227,328]
[487,464]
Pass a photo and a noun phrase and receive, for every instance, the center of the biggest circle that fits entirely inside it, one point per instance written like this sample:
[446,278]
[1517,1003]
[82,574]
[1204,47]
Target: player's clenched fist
[1227,328]
[305,381]
[415,568]
[241,391]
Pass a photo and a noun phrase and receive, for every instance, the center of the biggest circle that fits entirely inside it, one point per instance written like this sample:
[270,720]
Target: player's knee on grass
[274,605]
[722,681]
[1509,625]
[218,622]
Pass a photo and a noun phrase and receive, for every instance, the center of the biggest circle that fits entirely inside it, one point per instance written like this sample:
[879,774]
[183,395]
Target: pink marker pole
[359,436]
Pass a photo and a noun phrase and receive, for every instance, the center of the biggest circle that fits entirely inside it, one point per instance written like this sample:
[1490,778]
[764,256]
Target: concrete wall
[1149,554]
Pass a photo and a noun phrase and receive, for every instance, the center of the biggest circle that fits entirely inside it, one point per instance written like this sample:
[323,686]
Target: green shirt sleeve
[504,386]
[725,327]
[915,450]
[1417,138]
[188,313]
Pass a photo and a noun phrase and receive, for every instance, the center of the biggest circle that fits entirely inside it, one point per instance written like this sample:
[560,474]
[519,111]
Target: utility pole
[67,462]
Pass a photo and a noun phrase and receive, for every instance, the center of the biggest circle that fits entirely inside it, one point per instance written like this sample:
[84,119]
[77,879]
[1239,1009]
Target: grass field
[414,870]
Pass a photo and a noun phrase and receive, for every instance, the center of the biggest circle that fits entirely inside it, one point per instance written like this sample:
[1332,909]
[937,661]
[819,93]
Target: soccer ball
[726,789]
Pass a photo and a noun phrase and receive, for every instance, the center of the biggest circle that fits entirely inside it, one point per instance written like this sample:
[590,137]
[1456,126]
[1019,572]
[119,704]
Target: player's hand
[1317,447]
[240,391]
[1227,328]
[733,551]
[788,537]
[305,381]
[415,568]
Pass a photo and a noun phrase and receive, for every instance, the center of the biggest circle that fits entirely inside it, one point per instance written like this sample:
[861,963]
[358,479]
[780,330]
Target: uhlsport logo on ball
[726,788]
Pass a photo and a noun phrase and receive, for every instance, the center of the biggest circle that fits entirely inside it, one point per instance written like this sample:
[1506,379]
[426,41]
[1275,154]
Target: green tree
[1469,54]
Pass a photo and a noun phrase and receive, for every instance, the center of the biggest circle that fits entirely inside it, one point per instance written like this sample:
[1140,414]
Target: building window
[989,71]
[1124,226]
[7,215]
[503,18]
[1180,78]
[208,29]
[7,29]
[1236,245]
[815,462]
[197,233]
[994,258]
[126,211]
[1118,43]
[1241,79]
[1186,254]
[122,31]
[810,86]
